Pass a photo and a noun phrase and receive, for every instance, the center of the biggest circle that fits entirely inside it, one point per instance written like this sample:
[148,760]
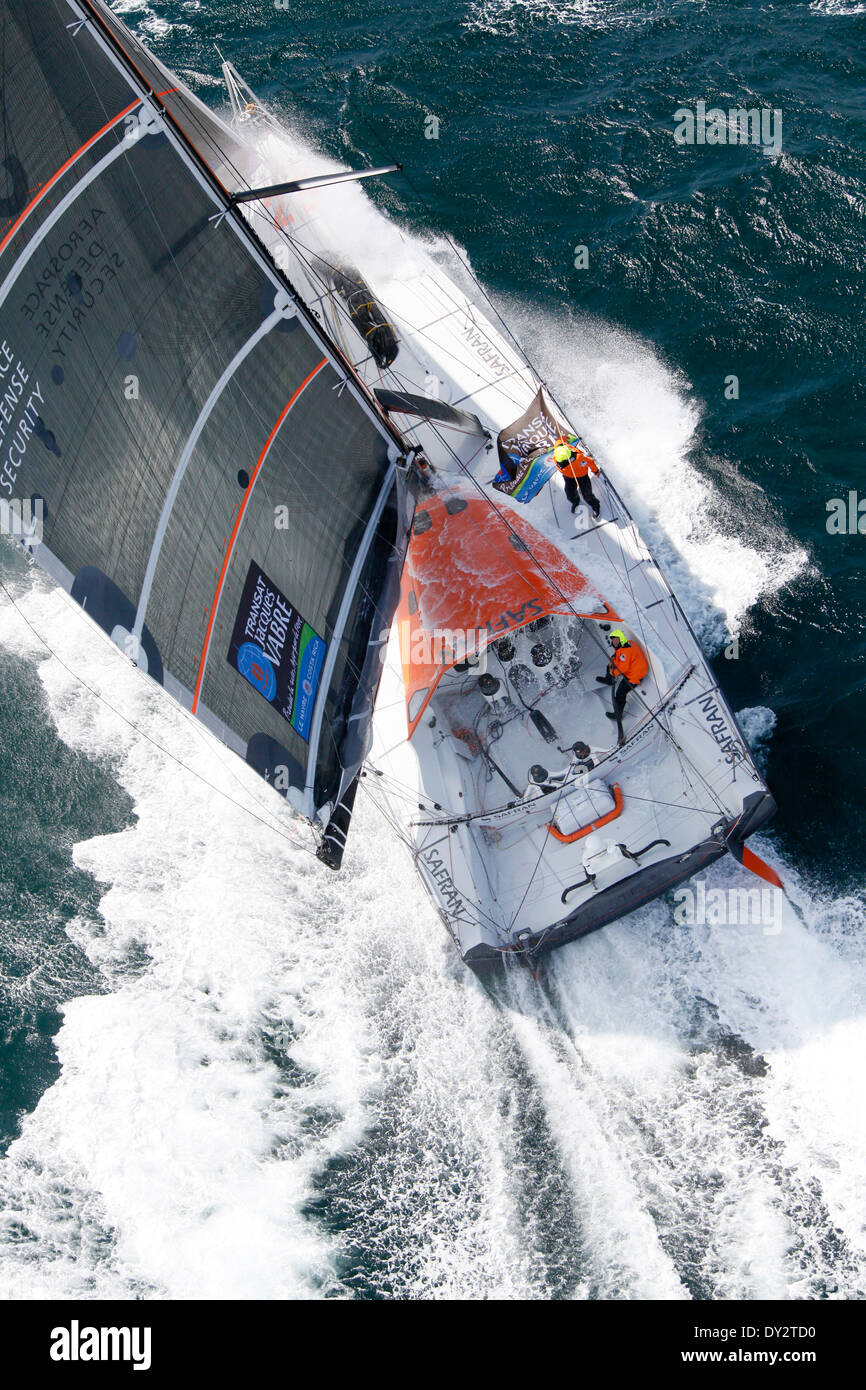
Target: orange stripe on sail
[62,170]
[237,526]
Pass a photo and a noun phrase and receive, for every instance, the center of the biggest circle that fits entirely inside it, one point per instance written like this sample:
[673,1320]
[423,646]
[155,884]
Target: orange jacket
[578,465]
[629,661]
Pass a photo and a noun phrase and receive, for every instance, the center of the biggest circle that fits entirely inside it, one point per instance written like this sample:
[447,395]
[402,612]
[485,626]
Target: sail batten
[189,116]
[213,479]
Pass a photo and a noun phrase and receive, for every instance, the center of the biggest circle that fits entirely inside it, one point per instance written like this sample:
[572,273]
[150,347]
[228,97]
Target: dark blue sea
[224,1073]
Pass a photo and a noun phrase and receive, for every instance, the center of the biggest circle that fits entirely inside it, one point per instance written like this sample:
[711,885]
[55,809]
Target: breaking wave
[290,1088]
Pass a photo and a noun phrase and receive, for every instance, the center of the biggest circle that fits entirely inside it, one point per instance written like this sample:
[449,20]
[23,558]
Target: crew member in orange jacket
[629,665]
[575,466]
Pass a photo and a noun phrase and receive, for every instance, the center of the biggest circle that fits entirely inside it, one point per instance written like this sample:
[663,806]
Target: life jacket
[574,464]
[630,661]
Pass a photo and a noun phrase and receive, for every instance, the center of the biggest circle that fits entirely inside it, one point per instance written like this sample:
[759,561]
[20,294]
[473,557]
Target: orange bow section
[471,576]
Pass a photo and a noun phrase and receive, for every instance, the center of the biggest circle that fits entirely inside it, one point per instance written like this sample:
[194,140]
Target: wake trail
[736,1145]
[293,1089]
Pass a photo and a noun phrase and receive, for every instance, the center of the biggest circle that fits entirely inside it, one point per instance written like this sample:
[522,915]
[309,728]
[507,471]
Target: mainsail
[219,490]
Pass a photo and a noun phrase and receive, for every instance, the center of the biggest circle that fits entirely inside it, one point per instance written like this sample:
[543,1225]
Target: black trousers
[586,492]
[620,695]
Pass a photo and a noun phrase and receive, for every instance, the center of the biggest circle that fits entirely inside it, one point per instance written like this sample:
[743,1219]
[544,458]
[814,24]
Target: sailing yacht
[318,501]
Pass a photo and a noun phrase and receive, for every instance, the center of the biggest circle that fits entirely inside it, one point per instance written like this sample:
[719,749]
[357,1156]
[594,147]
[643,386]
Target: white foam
[505,16]
[837,8]
[640,418]
[726,1158]
[176,1156]
[173,1156]
[721,554]
[139,15]
[798,998]
[169,1129]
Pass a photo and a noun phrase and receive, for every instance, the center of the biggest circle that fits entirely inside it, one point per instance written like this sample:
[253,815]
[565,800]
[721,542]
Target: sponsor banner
[529,479]
[277,651]
[534,433]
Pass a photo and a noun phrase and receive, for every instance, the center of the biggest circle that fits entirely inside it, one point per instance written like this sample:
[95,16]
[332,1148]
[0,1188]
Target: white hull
[500,878]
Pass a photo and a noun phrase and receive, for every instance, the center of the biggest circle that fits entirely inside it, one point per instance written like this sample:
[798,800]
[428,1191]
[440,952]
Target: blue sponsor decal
[312,657]
[257,669]
[277,651]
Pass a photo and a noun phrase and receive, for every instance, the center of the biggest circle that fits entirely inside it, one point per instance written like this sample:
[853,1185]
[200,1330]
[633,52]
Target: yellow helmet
[618,632]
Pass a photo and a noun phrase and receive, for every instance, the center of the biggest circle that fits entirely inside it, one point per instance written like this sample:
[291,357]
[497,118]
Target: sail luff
[340,624]
[338,358]
[136,497]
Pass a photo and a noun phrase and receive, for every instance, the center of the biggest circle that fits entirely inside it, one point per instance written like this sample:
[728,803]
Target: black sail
[217,488]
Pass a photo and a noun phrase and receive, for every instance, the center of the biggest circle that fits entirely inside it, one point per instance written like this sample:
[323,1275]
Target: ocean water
[225,1072]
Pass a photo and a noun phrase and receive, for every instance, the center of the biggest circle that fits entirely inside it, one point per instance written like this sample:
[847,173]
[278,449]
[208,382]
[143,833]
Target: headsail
[219,491]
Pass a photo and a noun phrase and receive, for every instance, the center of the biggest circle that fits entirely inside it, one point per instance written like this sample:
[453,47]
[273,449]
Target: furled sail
[218,489]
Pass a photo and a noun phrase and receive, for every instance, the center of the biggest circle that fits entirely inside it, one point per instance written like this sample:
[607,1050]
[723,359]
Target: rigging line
[475,912]
[337,82]
[470,904]
[498,927]
[517,402]
[544,845]
[464,467]
[702,729]
[668,590]
[398,790]
[480,489]
[308,256]
[408,386]
[385,811]
[470,910]
[599,644]
[641,608]
[650,801]
[684,758]
[524,369]
[256,413]
[653,715]
[207,177]
[638,609]
[714,689]
[405,790]
[404,382]
[284,835]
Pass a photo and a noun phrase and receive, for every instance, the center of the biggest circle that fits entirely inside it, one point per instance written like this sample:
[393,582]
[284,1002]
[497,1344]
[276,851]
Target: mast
[354,381]
[160,503]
